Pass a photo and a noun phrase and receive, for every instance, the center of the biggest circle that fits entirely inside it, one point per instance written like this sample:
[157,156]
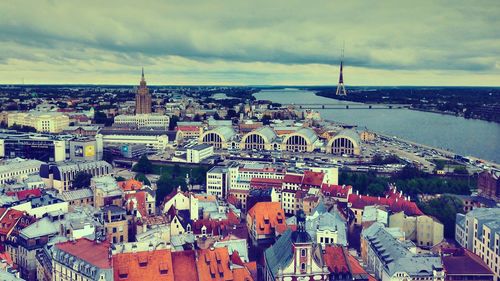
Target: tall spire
[340,86]
[142,77]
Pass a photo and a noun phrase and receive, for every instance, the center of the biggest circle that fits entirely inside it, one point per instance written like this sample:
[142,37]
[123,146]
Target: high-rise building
[142,98]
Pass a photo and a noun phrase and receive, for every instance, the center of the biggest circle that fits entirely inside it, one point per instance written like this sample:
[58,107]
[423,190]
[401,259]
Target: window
[303,252]
[303,266]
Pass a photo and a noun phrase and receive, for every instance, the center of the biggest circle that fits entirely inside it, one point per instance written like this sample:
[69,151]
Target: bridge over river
[345,105]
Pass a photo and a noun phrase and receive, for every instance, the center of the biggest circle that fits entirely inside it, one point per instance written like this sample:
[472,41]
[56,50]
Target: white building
[38,207]
[199,152]
[218,181]
[18,169]
[144,120]
[154,140]
[50,122]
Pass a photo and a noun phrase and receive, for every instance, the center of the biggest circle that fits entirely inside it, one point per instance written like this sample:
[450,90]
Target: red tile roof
[145,265]
[464,263]
[336,190]
[268,216]
[313,178]
[130,185]
[184,265]
[395,204]
[214,264]
[5,256]
[292,178]
[265,183]
[23,194]
[94,253]
[139,205]
[335,259]
[188,128]
[9,221]
[339,260]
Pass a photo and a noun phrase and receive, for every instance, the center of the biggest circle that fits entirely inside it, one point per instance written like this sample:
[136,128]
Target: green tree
[142,178]
[408,172]
[376,189]
[120,178]
[101,118]
[82,180]
[445,209]
[440,164]
[266,120]
[173,122]
[22,128]
[143,165]
[231,113]
[165,185]
[460,170]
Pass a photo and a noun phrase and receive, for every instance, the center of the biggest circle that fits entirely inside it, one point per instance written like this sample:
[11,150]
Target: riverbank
[462,136]
[479,103]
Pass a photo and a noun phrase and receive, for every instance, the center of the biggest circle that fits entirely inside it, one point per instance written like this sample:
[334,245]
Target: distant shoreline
[317,93]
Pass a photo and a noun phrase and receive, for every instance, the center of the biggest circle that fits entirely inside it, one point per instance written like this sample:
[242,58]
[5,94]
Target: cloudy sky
[293,42]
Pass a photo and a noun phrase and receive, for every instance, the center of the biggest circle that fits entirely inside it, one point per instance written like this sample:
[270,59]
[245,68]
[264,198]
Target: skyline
[452,43]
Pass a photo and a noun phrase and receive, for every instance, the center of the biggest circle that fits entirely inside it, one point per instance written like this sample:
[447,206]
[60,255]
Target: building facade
[81,259]
[48,122]
[479,232]
[142,97]
[143,121]
[18,170]
[61,175]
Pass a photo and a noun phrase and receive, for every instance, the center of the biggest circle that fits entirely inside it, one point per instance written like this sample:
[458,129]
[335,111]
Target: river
[467,137]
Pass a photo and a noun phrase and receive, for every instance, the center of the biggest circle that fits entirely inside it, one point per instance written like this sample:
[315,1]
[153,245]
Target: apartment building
[479,232]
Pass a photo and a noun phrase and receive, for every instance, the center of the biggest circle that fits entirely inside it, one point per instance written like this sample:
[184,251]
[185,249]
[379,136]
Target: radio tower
[340,87]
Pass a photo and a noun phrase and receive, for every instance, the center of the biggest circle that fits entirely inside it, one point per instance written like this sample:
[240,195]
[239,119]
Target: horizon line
[241,85]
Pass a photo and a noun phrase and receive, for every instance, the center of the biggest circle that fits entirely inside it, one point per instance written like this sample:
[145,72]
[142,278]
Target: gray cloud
[452,36]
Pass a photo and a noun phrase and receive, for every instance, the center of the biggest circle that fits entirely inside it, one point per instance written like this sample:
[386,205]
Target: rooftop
[465,262]
[92,252]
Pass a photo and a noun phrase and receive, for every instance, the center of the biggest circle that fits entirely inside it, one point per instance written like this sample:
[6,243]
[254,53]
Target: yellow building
[345,142]
[259,139]
[367,136]
[115,223]
[49,122]
[219,137]
[424,230]
[302,140]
